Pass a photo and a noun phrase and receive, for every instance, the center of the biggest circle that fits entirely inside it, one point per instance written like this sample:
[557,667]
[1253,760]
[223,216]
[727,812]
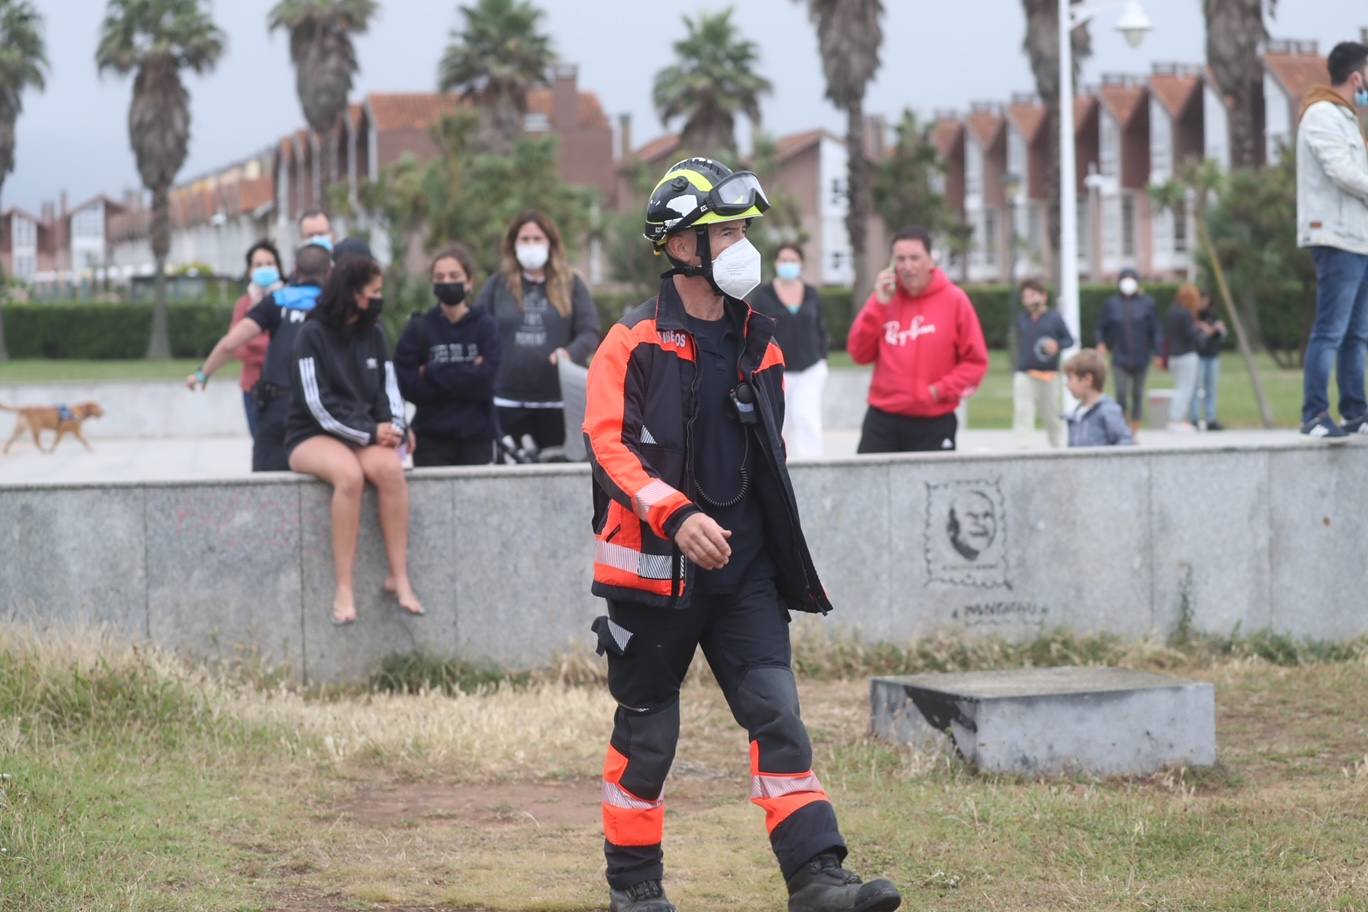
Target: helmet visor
[737,193]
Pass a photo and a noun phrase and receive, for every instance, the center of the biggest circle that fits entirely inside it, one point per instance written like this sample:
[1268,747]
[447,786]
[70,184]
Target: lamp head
[1134,23]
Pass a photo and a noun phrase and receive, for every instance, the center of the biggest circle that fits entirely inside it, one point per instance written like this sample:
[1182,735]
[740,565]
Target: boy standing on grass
[1098,419]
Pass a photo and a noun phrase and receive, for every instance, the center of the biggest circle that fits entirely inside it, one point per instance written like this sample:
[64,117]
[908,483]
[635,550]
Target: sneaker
[647,896]
[1355,426]
[1180,427]
[822,885]
[1323,428]
[1214,425]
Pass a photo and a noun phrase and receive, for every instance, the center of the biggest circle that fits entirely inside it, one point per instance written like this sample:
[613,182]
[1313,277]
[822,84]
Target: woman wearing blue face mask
[802,336]
[265,273]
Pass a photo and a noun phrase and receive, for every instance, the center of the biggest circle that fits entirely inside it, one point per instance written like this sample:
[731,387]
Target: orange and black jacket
[638,428]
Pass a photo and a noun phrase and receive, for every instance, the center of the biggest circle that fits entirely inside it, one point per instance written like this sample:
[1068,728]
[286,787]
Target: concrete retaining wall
[1112,541]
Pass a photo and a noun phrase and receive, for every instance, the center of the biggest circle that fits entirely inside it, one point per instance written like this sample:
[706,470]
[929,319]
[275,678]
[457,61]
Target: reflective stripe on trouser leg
[781,794]
[798,814]
[628,820]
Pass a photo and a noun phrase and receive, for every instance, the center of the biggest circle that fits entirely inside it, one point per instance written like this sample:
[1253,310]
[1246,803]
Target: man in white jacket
[1332,220]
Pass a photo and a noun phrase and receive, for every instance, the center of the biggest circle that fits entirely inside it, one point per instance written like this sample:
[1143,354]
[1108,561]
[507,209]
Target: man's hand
[935,392]
[195,381]
[558,354]
[885,284]
[704,542]
[1050,346]
[388,435]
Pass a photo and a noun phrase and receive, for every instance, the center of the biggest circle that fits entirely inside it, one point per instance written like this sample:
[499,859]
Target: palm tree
[849,35]
[713,79]
[1236,35]
[22,61]
[325,61]
[155,40]
[1042,47]
[494,61]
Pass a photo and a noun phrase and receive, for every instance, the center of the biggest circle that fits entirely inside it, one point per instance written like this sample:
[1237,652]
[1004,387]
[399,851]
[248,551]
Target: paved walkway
[192,458]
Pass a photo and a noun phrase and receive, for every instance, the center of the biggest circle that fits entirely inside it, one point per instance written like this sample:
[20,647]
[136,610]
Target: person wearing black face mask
[346,423]
[447,359]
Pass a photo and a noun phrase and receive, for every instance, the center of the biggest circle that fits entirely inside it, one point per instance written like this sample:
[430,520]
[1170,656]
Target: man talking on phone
[921,333]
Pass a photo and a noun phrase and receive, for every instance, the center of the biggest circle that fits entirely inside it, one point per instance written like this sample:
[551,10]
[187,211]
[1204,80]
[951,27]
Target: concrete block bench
[1053,721]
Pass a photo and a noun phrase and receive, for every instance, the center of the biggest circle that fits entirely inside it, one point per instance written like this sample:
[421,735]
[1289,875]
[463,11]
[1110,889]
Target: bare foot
[344,606]
[401,590]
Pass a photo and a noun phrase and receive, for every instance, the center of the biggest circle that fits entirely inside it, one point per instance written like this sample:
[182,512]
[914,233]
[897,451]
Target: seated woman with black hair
[346,424]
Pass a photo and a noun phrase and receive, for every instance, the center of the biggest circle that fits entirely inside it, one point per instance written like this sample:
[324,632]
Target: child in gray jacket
[1098,419]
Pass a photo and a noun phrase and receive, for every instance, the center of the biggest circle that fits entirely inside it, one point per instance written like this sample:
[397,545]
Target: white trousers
[1031,396]
[1184,369]
[803,411]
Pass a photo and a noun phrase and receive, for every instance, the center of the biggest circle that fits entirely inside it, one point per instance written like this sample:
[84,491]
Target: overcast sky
[936,55]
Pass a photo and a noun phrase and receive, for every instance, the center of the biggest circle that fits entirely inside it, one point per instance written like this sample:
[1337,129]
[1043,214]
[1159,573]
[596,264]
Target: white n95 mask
[736,270]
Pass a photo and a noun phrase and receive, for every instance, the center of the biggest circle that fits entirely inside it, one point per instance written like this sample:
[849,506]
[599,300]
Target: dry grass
[140,783]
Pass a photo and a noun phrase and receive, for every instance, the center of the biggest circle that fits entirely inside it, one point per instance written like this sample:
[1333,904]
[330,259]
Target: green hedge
[996,305]
[120,331]
[109,331]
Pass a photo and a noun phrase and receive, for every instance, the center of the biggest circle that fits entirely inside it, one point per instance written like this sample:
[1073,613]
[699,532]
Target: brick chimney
[564,95]
[63,204]
[624,137]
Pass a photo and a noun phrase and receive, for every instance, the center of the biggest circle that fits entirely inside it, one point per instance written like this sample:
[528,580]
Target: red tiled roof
[1175,92]
[1297,73]
[985,126]
[946,134]
[253,194]
[410,110]
[1122,101]
[795,143]
[15,210]
[110,205]
[590,113]
[659,147]
[1028,118]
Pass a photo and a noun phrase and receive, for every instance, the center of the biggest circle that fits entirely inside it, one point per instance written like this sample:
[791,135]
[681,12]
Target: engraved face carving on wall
[966,534]
[972,524]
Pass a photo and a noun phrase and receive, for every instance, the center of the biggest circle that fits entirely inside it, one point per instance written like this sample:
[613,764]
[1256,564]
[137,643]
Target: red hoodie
[934,338]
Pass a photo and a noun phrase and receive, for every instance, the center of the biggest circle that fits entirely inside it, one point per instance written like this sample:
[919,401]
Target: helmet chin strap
[703,269]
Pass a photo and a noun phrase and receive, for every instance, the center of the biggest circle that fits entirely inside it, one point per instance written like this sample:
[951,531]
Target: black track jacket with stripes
[638,429]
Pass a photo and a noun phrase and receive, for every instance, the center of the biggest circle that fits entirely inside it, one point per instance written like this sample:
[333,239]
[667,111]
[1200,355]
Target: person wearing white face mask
[545,313]
[699,544]
[800,329]
[1129,331]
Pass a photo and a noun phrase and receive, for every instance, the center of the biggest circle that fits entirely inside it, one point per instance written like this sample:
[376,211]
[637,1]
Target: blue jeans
[1208,378]
[1339,336]
[249,405]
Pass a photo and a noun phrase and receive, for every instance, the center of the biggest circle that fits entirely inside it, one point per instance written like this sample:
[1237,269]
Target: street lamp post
[1133,24]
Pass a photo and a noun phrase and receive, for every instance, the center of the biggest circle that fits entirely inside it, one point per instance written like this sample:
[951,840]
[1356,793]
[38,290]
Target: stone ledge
[1053,721]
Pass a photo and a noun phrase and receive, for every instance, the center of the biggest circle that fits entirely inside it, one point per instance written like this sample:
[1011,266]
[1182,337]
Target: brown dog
[58,418]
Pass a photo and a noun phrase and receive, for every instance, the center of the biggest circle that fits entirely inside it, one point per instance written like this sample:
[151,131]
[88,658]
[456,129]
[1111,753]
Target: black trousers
[268,446]
[885,432]
[745,639]
[546,425]
[451,451]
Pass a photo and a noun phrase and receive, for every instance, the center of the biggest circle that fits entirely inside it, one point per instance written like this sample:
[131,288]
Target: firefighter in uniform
[699,544]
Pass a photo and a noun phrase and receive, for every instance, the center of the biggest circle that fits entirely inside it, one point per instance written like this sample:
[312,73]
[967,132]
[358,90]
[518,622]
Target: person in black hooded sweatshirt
[447,359]
[346,423]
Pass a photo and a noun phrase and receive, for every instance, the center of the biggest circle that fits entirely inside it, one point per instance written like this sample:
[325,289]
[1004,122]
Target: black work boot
[647,896]
[822,885]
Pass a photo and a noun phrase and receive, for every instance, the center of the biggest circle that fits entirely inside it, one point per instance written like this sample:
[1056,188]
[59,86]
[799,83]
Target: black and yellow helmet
[698,192]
